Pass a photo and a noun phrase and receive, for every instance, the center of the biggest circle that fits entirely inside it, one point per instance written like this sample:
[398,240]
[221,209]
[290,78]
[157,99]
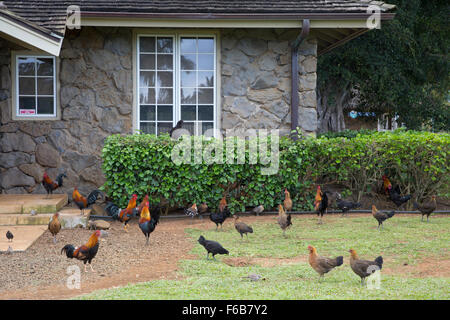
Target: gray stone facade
[96,97]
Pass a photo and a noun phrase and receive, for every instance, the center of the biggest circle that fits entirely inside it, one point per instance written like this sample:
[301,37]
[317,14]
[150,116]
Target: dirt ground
[40,272]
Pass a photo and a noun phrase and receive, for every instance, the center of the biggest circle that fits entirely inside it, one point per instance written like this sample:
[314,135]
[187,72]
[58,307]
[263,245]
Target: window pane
[188,96]
[206,45]
[188,45]
[206,79]
[206,126]
[206,113]
[147,79]
[147,61]
[206,62]
[27,103]
[147,96]
[147,113]
[164,127]
[189,126]
[165,113]
[148,127]
[44,66]
[45,105]
[27,85]
[188,62]
[165,96]
[188,79]
[205,96]
[165,79]
[188,113]
[165,45]
[165,62]
[147,44]
[26,66]
[45,86]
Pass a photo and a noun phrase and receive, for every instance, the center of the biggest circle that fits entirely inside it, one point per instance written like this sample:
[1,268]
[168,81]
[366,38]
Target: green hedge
[417,161]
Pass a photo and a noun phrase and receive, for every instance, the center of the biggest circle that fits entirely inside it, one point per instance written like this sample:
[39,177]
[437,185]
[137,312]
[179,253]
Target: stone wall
[256,80]
[95,102]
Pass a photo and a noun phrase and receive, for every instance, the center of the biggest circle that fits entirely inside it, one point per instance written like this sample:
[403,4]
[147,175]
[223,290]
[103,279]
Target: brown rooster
[50,185]
[202,208]
[284,220]
[426,208]
[54,226]
[142,204]
[242,227]
[287,201]
[222,204]
[321,264]
[317,199]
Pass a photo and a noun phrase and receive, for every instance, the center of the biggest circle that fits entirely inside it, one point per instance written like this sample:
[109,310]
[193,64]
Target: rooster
[86,252]
[287,200]
[222,215]
[381,216]
[321,203]
[83,203]
[386,184]
[54,226]
[364,268]
[142,204]
[426,208]
[124,215]
[242,227]
[321,264]
[147,222]
[284,220]
[396,197]
[50,185]
[192,211]
[345,206]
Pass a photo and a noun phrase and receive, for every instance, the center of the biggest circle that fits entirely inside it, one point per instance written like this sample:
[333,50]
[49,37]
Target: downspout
[294,76]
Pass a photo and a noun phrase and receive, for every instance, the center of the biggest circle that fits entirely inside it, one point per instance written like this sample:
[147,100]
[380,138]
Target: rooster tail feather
[391,214]
[93,196]
[112,210]
[59,179]
[379,261]
[69,250]
[339,261]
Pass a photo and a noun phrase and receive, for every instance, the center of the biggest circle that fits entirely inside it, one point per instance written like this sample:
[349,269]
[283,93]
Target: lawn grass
[403,240]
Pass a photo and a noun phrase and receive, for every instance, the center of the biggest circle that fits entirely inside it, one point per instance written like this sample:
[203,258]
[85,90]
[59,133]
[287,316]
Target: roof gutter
[294,75]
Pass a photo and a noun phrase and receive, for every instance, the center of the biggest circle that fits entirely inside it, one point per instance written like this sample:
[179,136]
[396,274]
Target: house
[71,76]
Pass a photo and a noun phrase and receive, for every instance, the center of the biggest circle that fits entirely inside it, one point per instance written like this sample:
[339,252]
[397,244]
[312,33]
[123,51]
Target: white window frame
[177,35]
[16,55]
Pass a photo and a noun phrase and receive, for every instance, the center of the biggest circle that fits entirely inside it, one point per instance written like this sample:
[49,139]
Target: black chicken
[9,236]
[396,197]
[345,206]
[212,247]
[323,206]
[179,125]
[222,214]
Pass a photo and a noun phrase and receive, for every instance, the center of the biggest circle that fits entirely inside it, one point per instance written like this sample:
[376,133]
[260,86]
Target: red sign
[27,112]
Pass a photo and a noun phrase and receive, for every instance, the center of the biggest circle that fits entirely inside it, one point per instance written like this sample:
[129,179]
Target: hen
[220,216]
[287,201]
[381,216]
[257,210]
[9,236]
[50,185]
[202,208]
[426,208]
[83,203]
[54,226]
[86,252]
[242,227]
[364,268]
[284,220]
[147,222]
[345,206]
[321,264]
[212,247]
[123,215]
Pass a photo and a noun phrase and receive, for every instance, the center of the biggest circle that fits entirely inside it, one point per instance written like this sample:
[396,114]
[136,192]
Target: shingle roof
[51,14]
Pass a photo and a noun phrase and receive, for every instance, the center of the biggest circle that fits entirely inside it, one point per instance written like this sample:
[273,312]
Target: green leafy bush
[142,164]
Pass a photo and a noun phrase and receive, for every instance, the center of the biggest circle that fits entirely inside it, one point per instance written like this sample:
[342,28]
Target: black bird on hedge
[345,206]
[9,236]
[212,247]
